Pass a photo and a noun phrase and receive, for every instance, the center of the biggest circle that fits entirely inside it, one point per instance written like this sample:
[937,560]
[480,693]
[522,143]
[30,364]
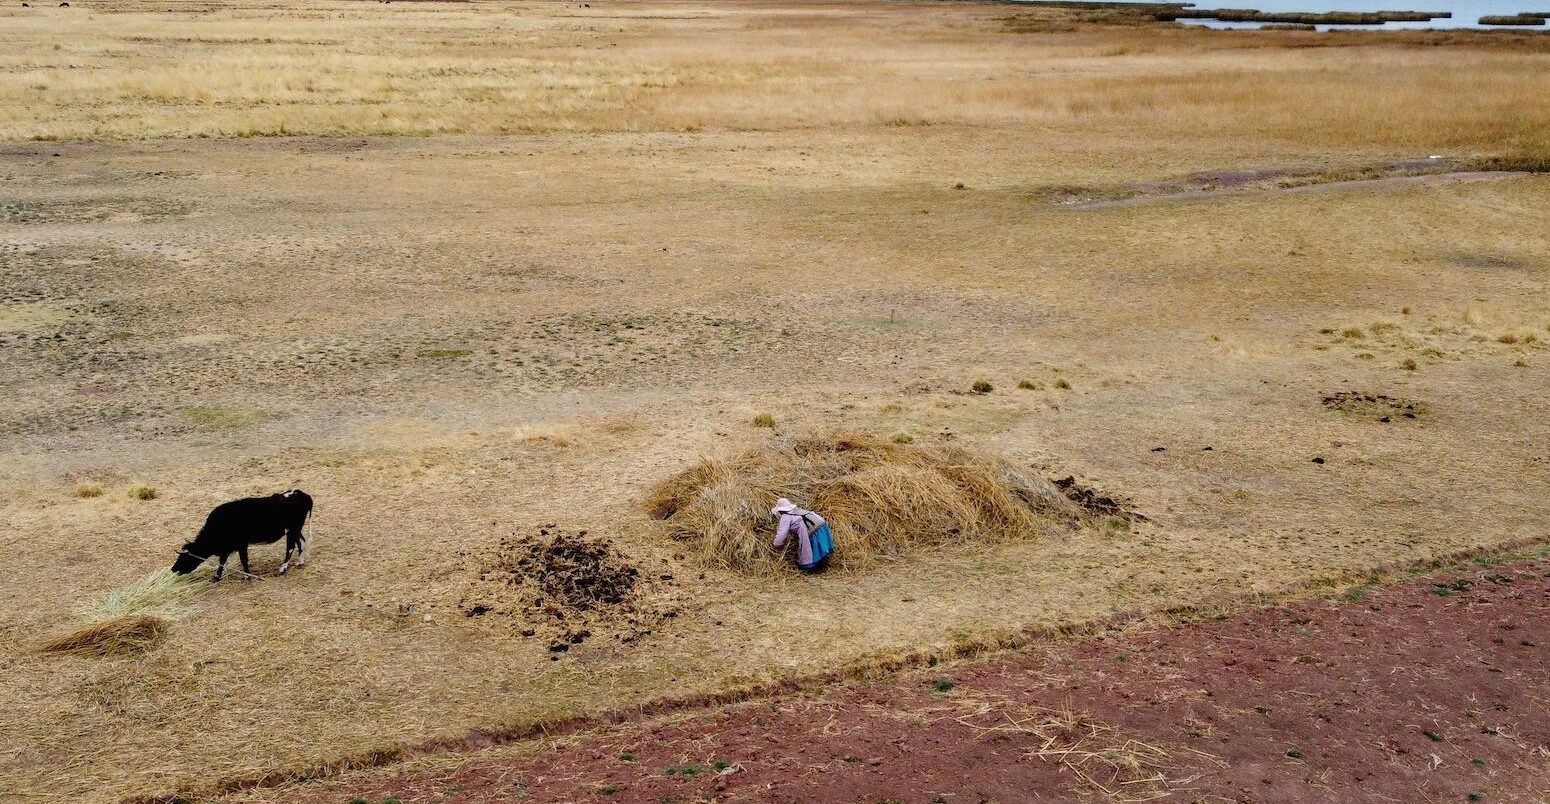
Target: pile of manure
[1096,502]
[1380,406]
[881,499]
[120,636]
[568,585]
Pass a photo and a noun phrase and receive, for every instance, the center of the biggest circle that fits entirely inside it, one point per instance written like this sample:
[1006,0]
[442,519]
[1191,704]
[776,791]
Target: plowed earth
[1432,690]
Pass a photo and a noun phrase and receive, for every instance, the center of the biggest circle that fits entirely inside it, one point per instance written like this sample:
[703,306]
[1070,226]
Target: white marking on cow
[284,567]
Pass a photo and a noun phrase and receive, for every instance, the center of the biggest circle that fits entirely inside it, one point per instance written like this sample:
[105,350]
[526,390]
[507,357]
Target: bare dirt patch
[26,317]
[1220,182]
[102,210]
[1424,691]
[568,587]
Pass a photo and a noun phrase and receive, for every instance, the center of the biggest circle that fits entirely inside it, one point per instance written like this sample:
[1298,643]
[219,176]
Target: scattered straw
[881,498]
[1122,770]
[120,636]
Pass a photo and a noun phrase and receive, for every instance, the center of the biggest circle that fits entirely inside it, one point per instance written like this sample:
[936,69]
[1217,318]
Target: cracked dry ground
[1431,690]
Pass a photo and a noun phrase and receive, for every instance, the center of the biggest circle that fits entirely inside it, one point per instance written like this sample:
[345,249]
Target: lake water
[1466,14]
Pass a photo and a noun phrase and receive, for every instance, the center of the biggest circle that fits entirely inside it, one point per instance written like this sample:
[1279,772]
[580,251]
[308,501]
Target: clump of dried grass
[159,593]
[554,435]
[881,497]
[120,636]
[130,619]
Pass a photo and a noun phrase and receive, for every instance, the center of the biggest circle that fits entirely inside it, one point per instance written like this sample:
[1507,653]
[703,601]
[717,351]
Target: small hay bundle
[120,636]
[880,497]
[130,619]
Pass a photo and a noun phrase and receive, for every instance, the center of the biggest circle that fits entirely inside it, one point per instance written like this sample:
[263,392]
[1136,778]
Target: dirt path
[1432,690]
[1226,184]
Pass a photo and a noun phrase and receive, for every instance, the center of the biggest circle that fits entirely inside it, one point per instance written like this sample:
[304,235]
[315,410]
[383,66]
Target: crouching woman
[815,543]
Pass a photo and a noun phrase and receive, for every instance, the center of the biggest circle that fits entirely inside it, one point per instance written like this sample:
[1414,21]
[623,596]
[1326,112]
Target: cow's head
[299,500]
[187,561]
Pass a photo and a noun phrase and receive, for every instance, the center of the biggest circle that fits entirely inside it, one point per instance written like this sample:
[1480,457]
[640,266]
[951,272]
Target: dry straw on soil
[1120,769]
[128,620]
[881,498]
[120,636]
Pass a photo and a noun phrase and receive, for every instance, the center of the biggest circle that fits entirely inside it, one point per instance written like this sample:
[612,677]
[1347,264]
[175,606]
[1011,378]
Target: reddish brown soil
[1433,690]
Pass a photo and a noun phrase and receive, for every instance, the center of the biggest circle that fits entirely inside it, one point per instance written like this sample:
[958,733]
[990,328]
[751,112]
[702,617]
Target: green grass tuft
[219,417]
[443,354]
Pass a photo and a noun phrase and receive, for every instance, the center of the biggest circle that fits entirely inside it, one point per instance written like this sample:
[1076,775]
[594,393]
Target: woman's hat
[782,505]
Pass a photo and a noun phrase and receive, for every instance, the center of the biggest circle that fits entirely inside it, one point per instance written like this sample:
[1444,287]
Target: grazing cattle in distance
[234,525]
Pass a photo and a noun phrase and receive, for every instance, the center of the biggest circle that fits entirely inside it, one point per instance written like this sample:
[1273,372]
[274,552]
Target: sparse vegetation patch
[221,417]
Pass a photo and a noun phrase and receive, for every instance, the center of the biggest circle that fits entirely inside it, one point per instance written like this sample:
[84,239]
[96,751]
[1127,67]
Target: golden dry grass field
[620,231]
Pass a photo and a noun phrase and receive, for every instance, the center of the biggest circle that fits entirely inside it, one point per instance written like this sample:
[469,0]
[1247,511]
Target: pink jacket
[793,522]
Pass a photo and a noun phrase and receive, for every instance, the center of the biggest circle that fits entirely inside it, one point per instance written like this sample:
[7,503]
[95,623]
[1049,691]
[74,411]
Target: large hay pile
[881,498]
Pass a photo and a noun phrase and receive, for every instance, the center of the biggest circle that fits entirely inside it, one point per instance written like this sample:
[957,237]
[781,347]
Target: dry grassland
[115,72]
[639,226]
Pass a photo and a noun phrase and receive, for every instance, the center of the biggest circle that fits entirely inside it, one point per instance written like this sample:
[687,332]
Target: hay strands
[121,636]
[1131,771]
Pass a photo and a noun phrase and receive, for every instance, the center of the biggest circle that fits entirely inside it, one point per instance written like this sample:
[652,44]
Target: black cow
[234,525]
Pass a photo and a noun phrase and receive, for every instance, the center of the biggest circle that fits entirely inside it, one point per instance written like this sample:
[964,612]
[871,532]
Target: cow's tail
[305,517]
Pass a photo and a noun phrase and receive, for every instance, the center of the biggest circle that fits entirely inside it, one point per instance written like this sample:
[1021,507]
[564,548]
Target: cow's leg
[242,553]
[220,569]
[290,544]
[301,548]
